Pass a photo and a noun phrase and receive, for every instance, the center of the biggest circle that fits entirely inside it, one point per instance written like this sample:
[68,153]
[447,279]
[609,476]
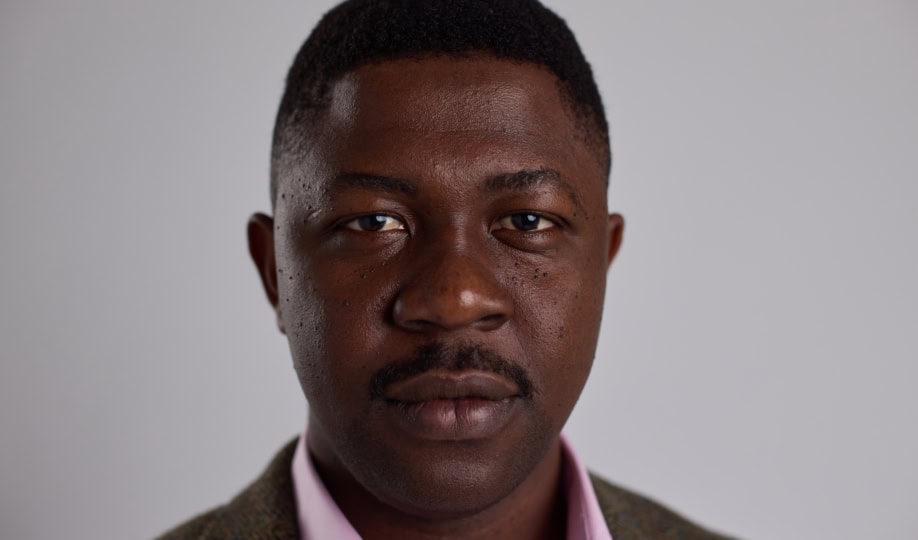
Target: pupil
[525,222]
[372,223]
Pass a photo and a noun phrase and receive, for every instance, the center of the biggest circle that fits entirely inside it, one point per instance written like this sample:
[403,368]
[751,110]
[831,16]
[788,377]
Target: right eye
[526,222]
[375,223]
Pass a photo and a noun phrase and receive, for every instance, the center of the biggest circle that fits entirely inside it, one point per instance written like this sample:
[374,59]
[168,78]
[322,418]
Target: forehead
[450,94]
[462,110]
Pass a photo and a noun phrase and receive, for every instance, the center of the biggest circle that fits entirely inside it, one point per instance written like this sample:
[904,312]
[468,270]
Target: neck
[536,509]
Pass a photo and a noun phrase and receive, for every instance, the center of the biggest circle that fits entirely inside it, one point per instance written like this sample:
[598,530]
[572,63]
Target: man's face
[440,255]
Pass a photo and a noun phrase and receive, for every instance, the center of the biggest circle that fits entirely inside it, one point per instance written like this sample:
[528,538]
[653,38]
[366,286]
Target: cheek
[560,309]
[306,324]
[334,319]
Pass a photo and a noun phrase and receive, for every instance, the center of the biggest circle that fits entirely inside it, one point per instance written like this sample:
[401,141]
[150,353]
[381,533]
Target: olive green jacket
[267,510]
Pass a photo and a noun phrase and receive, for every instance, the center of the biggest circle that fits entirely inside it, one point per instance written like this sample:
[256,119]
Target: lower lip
[452,419]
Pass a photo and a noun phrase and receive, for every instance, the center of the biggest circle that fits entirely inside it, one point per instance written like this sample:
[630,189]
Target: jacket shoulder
[266,509]
[195,528]
[631,516]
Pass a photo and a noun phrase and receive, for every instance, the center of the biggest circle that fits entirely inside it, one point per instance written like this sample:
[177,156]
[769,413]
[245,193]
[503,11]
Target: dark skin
[446,203]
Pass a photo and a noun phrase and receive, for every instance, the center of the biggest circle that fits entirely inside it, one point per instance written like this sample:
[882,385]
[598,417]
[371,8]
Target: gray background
[756,369]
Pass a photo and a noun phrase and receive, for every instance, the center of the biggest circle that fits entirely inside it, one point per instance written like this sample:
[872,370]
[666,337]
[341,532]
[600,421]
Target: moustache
[437,356]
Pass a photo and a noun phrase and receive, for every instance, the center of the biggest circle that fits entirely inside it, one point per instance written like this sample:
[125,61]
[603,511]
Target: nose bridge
[453,286]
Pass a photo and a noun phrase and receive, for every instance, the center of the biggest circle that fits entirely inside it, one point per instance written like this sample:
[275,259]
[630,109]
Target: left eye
[526,221]
[375,223]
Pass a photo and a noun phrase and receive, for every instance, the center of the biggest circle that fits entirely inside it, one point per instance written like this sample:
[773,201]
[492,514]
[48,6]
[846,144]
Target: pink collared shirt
[320,518]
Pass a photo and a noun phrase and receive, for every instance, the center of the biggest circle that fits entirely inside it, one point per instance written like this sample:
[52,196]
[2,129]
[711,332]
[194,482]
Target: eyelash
[366,222]
[355,223]
[540,219]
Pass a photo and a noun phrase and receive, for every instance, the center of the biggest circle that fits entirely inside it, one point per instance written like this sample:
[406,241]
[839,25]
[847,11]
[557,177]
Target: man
[437,261]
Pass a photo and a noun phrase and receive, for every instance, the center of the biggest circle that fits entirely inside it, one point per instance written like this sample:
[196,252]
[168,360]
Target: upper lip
[436,385]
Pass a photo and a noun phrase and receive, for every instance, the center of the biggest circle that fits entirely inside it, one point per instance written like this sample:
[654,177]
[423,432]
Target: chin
[446,479]
[457,481]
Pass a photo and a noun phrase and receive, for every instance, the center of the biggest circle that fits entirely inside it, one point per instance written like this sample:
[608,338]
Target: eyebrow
[515,181]
[527,180]
[375,182]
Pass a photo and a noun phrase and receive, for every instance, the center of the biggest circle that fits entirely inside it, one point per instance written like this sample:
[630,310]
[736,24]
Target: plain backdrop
[757,364]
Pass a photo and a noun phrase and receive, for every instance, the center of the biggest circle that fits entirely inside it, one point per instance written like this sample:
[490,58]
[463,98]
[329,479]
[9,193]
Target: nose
[452,291]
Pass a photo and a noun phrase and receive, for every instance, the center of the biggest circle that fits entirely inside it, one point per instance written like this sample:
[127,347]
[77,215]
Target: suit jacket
[266,509]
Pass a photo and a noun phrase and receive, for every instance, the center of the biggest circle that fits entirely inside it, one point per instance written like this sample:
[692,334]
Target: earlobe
[616,229]
[260,232]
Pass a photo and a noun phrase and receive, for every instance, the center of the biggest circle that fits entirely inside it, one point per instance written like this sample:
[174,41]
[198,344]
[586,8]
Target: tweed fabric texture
[266,509]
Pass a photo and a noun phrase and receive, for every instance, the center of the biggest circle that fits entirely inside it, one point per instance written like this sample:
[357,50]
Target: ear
[616,229]
[261,247]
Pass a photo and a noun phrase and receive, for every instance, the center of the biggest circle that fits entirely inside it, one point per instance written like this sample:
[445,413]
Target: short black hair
[361,32]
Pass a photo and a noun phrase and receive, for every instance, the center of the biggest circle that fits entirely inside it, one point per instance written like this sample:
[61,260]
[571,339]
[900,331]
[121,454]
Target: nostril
[492,321]
[420,325]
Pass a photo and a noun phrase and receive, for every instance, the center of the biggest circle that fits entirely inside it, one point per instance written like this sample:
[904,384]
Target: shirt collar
[319,516]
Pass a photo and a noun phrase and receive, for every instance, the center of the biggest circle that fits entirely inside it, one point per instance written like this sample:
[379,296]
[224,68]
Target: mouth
[449,385]
[451,406]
